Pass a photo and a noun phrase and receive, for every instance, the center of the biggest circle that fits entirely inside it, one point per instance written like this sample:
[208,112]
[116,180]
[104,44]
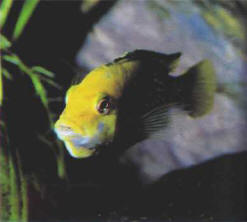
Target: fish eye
[105,105]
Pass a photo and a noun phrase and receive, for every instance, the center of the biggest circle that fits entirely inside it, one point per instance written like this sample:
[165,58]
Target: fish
[123,102]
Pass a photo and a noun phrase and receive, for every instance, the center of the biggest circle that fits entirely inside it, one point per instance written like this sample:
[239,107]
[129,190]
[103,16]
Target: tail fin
[197,88]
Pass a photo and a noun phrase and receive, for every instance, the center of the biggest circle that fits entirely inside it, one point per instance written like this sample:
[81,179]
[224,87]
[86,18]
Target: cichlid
[126,101]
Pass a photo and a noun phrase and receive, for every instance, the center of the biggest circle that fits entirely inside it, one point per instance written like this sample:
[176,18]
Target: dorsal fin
[170,61]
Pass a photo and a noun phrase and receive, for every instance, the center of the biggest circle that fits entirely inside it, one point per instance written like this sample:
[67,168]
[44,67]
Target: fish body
[127,100]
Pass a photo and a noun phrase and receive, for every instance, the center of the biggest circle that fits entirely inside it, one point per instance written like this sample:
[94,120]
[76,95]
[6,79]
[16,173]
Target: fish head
[88,121]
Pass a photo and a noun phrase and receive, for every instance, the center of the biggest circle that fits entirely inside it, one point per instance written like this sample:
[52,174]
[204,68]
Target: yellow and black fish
[126,101]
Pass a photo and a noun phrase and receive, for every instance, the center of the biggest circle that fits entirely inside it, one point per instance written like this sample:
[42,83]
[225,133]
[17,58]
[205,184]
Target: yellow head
[90,116]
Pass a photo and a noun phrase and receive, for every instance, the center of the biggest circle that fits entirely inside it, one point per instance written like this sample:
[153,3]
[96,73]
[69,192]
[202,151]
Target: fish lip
[76,144]
[63,135]
[78,153]
[82,142]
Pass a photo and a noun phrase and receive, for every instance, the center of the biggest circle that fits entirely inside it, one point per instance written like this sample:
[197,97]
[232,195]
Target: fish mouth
[79,148]
[82,142]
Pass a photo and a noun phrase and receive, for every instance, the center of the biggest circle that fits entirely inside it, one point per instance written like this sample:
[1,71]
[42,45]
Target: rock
[188,141]
[168,26]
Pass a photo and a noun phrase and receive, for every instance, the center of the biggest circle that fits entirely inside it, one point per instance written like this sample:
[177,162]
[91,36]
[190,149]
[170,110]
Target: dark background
[100,187]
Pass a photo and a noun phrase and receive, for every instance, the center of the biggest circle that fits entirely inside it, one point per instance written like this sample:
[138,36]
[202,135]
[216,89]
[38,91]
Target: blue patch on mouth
[81,141]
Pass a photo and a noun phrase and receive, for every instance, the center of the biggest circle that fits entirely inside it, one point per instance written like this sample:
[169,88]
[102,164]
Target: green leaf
[1,88]
[160,11]
[4,42]
[37,84]
[12,59]
[4,10]
[25,14]
[61,169]
[13,192]
[4,184]
[43,71]
[51,82]
[39,89]
[2,124]
[6,74]
[87,5]
[45,140]
[222,20]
